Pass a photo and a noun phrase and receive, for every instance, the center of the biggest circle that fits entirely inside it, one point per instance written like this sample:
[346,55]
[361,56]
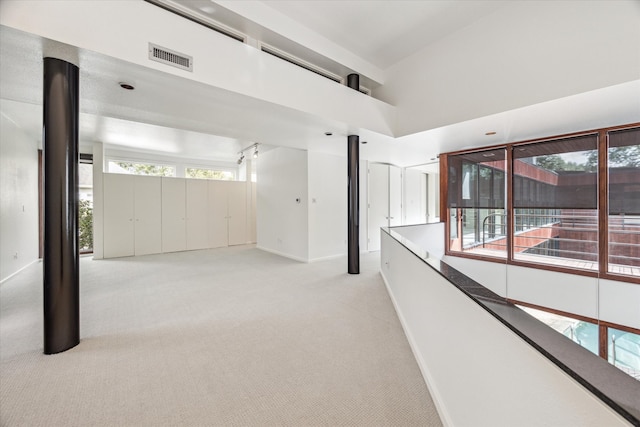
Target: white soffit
[277,22]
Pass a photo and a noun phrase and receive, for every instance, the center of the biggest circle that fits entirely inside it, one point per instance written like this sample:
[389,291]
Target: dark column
[353,204]
[353,81]
[60,260]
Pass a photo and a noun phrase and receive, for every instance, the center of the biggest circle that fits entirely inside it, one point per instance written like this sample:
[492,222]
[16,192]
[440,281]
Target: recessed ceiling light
[488,154]
[208,9]
[490,133]
[126,86]
[328,133]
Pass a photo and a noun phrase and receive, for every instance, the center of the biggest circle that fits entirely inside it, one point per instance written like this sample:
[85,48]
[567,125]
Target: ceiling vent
[170,57]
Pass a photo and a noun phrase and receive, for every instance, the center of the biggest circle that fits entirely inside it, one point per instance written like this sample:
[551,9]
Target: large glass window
[624,202]
[205,173]
[555,200]
[624,351]
[622,347]
[140,168]
[579,331]
[476,202]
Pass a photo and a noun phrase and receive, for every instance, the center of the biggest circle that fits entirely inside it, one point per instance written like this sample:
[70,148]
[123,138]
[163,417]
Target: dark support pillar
[353,204]
[353,81]
[61,259]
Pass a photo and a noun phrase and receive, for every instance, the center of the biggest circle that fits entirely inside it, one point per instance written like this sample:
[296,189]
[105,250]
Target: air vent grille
[170,57]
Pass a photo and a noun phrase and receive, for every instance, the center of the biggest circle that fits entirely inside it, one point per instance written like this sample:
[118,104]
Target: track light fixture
[255,152]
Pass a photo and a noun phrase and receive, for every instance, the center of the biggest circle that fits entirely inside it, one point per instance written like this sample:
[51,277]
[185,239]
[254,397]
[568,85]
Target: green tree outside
[208,174]
[556,163]
[147,169]
[85,225]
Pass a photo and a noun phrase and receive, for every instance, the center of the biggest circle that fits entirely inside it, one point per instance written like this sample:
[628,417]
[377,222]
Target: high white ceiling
[178,117]
[384,32]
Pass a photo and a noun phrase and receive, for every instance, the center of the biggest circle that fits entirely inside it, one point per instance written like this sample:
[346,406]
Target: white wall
[327,205]
[491,275]
[425,236]
[523,54]
[479,372]
[19,199]
[364,214]
[433,202]
[244,70]
[282,222]
[619,302]
[98,200]
[561,291]
[609,300]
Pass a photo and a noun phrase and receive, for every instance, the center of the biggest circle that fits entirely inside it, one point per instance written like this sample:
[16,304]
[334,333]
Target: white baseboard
[282,254]
[16,272]
[428,379]
[326,258]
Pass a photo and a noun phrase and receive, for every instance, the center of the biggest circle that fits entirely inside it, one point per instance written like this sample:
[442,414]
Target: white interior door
[148,214]
[174,233]
[378,203]
[237,199]
[118,196]
[197,205]
[217,214]
[415,197]
[395,196]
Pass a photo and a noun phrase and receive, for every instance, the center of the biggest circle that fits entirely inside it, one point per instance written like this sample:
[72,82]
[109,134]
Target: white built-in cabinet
[174,213]
[218,213]
[118,196]
[147,215]
[132,215]
[147,206]
[228,213]
[197,215]
[237,212]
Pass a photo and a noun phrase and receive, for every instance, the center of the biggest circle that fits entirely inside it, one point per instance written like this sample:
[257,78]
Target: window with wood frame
[568,203]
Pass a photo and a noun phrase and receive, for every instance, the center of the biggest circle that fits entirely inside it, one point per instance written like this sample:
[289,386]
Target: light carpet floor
[224,337]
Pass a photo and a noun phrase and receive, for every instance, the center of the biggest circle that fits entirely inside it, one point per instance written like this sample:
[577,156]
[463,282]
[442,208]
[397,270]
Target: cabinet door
[252,215]
[148,215]
[217,213]
[174,233]
[118,196]
[197,204]
[237,199]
